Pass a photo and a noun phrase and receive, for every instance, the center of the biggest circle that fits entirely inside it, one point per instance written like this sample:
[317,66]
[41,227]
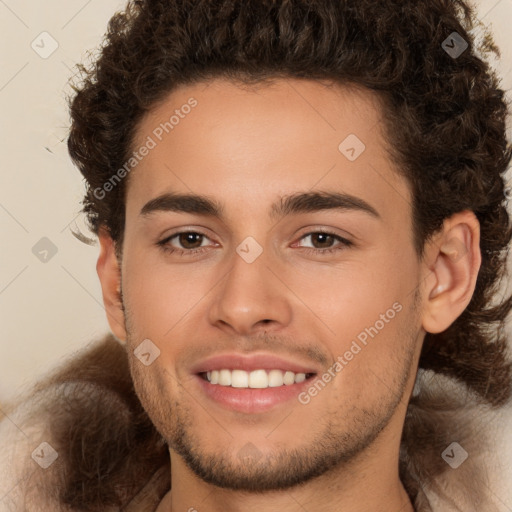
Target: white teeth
[225,378]
[289,378]
[275,378]
[300,377]
[256,379]
[239,378]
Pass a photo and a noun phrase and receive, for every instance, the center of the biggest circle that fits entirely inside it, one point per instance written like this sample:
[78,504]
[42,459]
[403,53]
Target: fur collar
[456,453]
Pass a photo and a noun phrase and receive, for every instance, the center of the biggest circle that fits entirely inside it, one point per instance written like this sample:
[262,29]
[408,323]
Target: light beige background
[49,310]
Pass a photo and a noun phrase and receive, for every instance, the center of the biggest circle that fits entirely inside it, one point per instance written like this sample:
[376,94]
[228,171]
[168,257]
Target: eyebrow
[300,202]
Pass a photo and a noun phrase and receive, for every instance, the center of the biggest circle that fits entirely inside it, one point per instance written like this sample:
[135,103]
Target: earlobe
[456,258]
[109,274]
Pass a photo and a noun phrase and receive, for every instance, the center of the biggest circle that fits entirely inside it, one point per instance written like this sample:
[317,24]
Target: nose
[250,298]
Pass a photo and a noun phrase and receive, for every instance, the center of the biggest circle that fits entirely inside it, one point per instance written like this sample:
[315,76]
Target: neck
[369,495]
[369,483]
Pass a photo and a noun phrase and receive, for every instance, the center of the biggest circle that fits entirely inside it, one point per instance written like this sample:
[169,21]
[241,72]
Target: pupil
[319,235]
[187,239]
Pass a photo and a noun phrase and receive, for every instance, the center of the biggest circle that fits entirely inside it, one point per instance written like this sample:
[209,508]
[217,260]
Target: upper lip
[233,361]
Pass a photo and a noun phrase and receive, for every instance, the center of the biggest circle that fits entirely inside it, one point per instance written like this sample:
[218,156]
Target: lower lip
[252,400]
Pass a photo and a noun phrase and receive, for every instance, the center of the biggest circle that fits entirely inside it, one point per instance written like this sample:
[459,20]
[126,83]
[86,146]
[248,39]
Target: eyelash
[164,244]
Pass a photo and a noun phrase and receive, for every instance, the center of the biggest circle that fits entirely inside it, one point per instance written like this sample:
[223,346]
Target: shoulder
[81,437]
[28,459]
[469,464]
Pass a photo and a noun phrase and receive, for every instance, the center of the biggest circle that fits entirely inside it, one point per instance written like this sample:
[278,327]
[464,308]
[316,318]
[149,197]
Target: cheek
[367,310]
[353,294]
[155,388]
[158,295]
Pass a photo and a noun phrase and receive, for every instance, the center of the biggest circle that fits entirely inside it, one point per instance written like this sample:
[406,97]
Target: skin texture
[246,148]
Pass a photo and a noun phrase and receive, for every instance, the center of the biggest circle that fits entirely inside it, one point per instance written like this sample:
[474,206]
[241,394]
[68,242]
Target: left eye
[325,240]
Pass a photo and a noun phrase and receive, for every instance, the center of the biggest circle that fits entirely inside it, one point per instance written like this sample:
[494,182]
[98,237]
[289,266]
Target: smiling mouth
[256,379]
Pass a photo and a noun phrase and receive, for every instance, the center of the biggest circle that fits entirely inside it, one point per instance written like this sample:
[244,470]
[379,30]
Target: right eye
[185,239]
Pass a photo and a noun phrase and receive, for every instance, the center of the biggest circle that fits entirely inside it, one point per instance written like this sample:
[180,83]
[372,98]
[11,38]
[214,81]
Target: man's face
[266,291]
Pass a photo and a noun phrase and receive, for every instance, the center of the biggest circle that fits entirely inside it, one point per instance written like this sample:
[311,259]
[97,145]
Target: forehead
[253,144]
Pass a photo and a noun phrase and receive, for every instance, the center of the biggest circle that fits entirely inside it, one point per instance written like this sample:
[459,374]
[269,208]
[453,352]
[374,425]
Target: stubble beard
[336,445]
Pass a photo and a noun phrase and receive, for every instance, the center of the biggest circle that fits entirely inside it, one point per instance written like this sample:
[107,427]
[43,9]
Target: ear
[452,260]
[110,279]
